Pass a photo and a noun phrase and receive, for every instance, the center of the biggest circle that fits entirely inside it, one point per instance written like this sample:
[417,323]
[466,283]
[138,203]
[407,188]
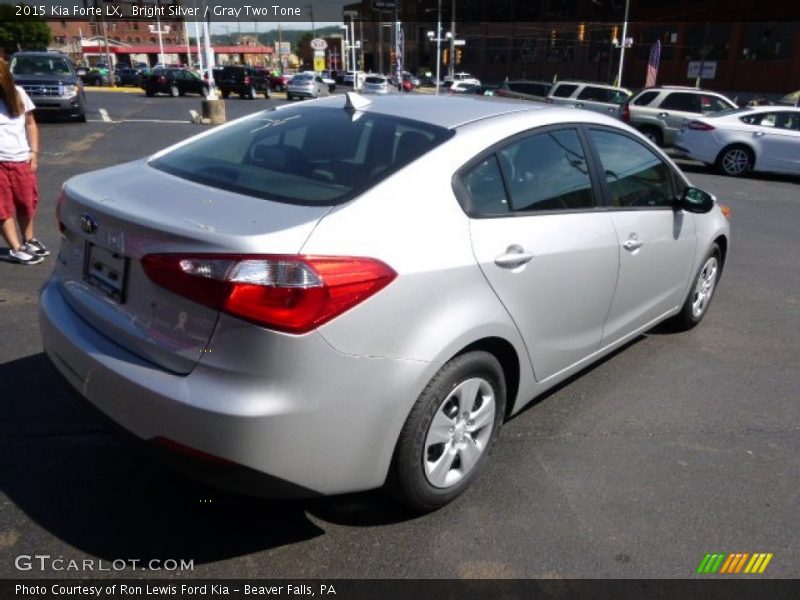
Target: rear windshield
[302,78]
[318,156]
[374,80]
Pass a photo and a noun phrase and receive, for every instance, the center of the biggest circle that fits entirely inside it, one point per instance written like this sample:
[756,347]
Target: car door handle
[632,244]
[663,115]
[579,105]
[759,134]
[513,257]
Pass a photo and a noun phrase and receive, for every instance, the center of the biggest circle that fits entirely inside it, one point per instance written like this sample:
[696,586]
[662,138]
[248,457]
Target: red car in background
[279,82]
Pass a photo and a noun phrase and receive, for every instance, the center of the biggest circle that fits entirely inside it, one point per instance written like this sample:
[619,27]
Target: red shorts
[19,190]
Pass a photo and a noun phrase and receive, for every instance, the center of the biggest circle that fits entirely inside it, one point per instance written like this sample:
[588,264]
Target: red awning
[177,49]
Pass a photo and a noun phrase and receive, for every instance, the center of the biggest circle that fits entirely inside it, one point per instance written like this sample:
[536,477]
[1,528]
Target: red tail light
[626,113]
[291,293]
[247,80]
[161,79]
[699,126]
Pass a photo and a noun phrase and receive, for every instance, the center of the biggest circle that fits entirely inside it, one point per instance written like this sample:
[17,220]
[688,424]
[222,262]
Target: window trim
[465,200]
[675,178]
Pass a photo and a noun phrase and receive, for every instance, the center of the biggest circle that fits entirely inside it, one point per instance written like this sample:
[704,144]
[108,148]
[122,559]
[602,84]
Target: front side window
[311,156]
[547,171]
[712,104]
[636,177]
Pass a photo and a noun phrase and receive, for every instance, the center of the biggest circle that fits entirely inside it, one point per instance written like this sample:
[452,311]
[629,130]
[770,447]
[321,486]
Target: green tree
[25,33]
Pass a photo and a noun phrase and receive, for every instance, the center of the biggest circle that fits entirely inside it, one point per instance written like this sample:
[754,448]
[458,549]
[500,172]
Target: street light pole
[452,66]
[438,46]
[622,49]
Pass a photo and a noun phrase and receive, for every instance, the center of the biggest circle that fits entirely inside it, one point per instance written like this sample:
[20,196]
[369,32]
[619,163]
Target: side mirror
[696,201]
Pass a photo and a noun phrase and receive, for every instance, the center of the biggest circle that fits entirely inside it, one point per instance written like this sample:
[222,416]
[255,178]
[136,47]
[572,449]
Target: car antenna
[356,102]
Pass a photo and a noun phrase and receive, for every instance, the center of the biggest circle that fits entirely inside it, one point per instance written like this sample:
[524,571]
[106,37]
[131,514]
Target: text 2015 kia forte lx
[357,292]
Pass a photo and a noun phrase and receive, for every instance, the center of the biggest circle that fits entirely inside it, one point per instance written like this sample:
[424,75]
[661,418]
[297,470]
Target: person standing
[19,150]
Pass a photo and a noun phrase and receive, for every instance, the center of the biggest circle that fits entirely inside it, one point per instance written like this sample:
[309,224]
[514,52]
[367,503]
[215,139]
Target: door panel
[560,298]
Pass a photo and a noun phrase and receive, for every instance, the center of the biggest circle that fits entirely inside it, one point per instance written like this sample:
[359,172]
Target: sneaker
[35,247]
[23,257]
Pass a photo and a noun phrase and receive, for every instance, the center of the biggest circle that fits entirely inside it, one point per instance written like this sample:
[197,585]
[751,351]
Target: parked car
[175,82]
[279,82]
[378,84]
[326,79]
[52,83]
[791,99]
[462,87]
[413,79]
[293,348]
[304,85]
[247,82]
[599,97]
[524,90]
[463,78]
[660,112]
[765,138]
[129,77]
[349,76]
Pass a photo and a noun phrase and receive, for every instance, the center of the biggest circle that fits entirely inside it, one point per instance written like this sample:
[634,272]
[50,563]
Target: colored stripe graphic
[733,563]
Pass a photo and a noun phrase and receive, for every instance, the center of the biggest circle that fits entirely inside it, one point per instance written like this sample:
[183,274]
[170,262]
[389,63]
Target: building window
[708,42]
[768,41]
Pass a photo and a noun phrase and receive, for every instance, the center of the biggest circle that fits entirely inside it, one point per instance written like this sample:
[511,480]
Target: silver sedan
[764,138]
[272,308]
[305,85]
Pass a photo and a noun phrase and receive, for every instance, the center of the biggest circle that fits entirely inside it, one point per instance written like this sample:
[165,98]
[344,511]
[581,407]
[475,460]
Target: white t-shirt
[13,139]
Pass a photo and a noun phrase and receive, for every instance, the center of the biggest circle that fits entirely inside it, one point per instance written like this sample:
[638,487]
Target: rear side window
[635,176]
[645,98]
[564,91]
[485,189]
[310,156]
[682,101]
[547,171]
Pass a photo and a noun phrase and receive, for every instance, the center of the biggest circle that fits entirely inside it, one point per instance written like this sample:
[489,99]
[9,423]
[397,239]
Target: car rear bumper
[310,420]
[301,93]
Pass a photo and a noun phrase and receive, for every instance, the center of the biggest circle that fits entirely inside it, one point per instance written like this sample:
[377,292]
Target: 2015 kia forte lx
[357,292]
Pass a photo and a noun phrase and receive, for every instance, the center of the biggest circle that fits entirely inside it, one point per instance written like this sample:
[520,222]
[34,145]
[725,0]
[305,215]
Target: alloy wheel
[704,288]
[459,433]
[735,161]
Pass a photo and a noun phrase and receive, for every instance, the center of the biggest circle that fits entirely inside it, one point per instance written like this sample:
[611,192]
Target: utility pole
[452,66]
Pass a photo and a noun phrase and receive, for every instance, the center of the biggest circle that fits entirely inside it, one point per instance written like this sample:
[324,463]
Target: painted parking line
[174,121]
[104,115]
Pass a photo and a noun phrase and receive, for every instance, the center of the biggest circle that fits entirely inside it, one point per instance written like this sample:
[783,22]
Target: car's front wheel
[174,91]
[653,134]
[447,436]
[702,292]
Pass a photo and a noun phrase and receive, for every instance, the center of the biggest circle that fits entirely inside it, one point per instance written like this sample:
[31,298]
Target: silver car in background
[764,138]
[271,307]
[378,84]
[306,85]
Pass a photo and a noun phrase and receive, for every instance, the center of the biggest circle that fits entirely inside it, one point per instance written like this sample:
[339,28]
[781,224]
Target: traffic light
[458,56]
[553,36]
[446,56]
[581,32]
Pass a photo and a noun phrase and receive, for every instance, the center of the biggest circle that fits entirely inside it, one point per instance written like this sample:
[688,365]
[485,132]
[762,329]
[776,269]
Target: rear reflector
[290,293]
[699,126]
[626,113]
[193,452]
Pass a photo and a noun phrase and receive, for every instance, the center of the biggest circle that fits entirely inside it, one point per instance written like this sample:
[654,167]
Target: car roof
[448,111]
[592,83]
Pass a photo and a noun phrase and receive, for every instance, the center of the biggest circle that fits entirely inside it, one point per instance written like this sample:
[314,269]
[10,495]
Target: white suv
[659,113]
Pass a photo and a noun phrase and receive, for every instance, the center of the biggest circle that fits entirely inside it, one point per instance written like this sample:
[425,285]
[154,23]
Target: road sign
[284,48]
[709,69]
[318,44]
[460,42]
[319,63]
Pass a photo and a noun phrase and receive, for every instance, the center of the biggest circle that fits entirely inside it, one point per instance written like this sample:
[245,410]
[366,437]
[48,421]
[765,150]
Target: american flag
[652,64]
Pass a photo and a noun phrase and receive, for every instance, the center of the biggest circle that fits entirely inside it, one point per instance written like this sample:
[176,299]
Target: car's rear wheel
[251,93]
[447,436]
[702,292]
[267,95]
[653,134]
[735,160]
[204,92]
[174,91]
[149,93]
[225,94]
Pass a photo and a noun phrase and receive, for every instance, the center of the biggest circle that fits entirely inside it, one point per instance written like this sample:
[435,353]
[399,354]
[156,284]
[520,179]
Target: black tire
[267,95]
[688,317]
[174,91]
[149,93]
[653,134]
[735,160]
[81,117]
[204,92]
[251,93]
[225,94]
[408,481]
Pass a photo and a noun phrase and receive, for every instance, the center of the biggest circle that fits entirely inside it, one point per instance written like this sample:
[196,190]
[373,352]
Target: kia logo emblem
[88,224]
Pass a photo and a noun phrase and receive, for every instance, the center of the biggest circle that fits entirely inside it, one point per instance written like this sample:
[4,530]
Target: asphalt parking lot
[675,446]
